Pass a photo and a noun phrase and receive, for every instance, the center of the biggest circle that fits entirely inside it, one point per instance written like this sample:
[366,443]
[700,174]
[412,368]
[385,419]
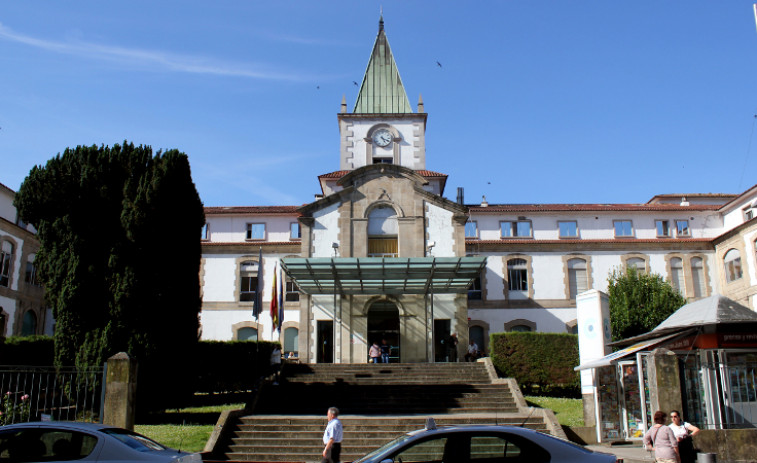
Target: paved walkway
[631,453]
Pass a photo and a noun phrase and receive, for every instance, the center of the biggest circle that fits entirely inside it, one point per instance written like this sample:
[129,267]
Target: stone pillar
[664,381]
[120,391]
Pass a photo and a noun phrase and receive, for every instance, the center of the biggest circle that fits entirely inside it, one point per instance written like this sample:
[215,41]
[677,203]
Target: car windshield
[134,440]
[385,448]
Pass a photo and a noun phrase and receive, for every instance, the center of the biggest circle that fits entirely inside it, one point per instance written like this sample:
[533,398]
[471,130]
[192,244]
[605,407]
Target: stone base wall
[732,445]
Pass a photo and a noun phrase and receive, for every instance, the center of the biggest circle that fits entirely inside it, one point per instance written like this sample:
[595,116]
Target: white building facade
[22,308]
[384,204]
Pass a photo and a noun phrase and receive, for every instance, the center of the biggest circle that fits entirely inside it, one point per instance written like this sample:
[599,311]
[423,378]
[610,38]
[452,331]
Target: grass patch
[569,412]
[187,429]
[189,438]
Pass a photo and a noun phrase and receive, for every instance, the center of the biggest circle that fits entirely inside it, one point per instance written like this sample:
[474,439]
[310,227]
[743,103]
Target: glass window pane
[682,227]
[623,228]
[568,229]
[294,230]
[247,334]
[506,229]
[662,228]
[524,228]
[471,230]
[255,231]
[425,451]
[291,338]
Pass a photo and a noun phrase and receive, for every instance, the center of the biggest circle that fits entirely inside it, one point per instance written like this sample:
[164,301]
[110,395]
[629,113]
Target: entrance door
[441,338]
[325,352]
[633,420]
[384,323]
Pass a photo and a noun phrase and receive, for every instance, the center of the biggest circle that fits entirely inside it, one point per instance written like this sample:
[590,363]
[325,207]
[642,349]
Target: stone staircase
[377,403]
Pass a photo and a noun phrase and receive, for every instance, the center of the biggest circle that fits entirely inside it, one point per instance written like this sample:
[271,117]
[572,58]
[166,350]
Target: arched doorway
[384,323]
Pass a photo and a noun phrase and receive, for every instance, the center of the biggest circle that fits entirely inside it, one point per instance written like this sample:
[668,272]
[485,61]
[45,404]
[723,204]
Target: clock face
[382,137]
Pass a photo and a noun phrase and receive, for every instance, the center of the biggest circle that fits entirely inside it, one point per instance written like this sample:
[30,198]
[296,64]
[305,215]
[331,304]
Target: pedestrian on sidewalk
[684,432]
[332,437]
[661,439]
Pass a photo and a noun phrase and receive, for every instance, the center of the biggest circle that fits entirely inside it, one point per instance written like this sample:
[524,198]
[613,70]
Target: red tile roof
[263,210]
[569,241]
[252,243]
[499,208]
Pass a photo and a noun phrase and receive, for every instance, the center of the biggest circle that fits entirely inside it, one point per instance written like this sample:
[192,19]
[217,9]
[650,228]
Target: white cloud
[163,60]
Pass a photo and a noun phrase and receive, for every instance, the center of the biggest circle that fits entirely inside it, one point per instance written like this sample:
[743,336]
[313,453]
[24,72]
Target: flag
[281,297]
[257,305]
[274,301]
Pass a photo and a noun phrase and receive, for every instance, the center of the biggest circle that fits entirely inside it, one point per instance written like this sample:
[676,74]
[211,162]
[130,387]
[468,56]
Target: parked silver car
[482,444]
[54,441]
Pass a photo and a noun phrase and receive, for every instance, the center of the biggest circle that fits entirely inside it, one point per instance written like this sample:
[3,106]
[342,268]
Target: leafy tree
[639,302]
[119,257]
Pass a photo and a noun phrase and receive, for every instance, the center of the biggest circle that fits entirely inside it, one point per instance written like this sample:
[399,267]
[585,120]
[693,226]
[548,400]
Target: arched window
[382,232]
[29,325]
[248,277]
[697,277]
[676,274]
[247,334]
[291,339]
[6,255]
[637,263]
[31,271]
[521,328]
[577,281]
[732,262]
[517,275]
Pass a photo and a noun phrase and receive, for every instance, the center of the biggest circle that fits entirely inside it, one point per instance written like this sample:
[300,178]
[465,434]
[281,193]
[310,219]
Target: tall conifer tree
[119,257]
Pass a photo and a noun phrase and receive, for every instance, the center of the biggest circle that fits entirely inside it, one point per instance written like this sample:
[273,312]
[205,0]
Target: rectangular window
[682,228]
[382,247]
[255,231]
[517,275]
[31,274]
[748,213]
[248,289]
[623,228]
[568,229]
[474,292]
[471,230]
[5,263]
[292,293]
[663,228]
[205,233]
[294,231]
[519,229]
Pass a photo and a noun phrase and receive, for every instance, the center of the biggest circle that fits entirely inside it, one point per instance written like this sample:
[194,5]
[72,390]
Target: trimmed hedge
[542,363]
[27,350]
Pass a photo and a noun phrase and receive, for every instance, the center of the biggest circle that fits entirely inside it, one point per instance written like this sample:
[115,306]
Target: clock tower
[382,128]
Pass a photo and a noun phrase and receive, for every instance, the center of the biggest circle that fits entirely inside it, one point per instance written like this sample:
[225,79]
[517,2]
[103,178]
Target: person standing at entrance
[661,439]
[684,432]
[386,350]
[374,353]
[332,437]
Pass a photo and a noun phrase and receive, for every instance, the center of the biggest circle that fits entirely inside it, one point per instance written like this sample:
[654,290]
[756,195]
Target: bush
[27,350]
[231,366]
[541,363]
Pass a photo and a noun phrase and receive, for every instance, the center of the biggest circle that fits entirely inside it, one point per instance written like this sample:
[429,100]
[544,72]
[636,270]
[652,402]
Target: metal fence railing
[32,393]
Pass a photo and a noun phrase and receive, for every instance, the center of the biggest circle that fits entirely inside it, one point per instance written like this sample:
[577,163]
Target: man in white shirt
[332,437]
[472,354]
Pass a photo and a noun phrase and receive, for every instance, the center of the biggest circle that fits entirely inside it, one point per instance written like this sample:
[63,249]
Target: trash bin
[706,458]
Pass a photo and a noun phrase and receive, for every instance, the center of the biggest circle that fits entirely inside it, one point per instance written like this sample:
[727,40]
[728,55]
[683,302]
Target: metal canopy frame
[383,275]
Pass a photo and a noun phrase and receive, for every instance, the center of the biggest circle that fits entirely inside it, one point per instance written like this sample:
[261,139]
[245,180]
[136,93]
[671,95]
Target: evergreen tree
[639,302]
[119,257]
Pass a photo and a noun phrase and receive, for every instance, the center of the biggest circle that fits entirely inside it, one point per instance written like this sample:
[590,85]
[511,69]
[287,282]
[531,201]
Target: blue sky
[535,102]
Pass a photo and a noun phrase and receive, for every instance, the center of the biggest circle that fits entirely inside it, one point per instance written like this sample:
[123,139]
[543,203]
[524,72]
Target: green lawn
[186,429]
[569,412]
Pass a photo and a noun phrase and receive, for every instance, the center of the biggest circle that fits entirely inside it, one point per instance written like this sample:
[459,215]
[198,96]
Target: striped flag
[281,298]
[274,301]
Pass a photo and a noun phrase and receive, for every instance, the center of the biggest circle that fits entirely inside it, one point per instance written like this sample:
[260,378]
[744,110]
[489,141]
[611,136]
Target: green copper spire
[381,91]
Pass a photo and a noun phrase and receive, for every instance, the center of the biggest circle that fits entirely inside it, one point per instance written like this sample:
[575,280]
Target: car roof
[76,425]
[474,427]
